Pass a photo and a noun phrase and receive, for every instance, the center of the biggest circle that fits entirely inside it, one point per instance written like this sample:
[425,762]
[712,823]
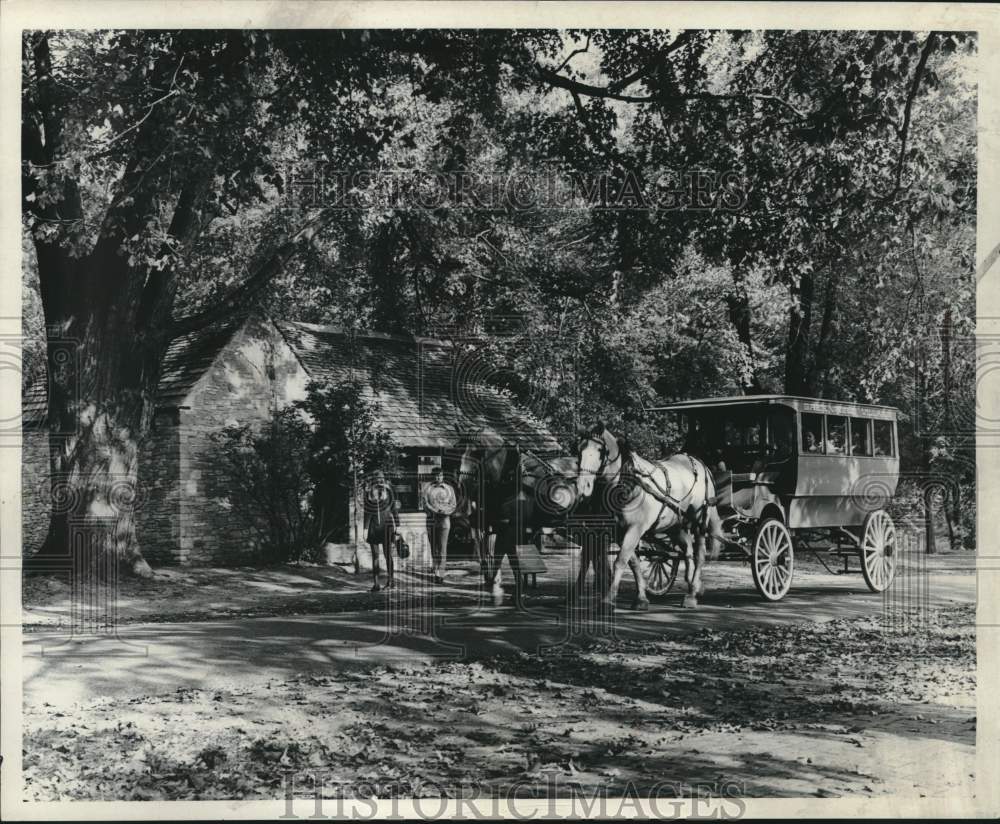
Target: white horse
[671,500]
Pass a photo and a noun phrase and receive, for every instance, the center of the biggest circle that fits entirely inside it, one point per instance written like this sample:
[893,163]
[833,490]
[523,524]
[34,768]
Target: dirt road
[832,692]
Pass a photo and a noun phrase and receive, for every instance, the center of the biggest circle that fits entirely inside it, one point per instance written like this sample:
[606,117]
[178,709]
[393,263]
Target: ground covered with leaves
[847,707]
[211,593]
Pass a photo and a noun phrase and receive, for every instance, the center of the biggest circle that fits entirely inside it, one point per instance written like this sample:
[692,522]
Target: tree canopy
[746,212]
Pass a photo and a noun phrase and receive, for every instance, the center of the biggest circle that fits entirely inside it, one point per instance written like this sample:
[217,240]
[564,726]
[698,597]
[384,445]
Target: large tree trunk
[109,313]
[93,493]
[107,317]
[103,367]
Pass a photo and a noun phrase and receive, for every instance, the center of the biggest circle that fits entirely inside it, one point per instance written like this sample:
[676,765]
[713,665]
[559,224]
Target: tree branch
[681,39]
[258,279]
[574,53]
[608,93]
[149,111]
[158,292]
[904,129]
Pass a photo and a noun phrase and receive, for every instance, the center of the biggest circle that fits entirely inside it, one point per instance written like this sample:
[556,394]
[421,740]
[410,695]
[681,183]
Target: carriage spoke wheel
[773,559]
[878,551]
[658,572]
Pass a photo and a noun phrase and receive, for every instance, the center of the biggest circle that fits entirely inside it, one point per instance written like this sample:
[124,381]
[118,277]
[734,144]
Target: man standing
[440,501]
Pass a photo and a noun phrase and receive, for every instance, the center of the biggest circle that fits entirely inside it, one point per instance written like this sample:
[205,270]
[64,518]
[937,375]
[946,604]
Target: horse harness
[698,520]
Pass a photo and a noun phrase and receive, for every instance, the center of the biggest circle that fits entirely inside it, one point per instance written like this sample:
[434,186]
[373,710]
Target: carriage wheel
[773,559]
[658,572]
[878,550]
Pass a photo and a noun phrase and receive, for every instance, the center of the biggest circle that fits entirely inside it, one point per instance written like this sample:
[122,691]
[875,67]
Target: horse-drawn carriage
[789,471]
[758,478]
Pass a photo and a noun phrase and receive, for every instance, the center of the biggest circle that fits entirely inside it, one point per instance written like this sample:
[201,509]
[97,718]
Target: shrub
[270,488]
[290,479]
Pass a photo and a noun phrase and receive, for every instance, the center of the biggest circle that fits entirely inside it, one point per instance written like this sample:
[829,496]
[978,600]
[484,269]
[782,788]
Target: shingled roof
[430,393]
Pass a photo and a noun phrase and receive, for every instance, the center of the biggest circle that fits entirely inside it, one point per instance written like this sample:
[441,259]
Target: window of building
[861,437]
[812,434]
[883,438]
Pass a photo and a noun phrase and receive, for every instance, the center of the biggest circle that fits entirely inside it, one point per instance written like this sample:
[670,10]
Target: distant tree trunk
[946,327]
[819,371]
[930,536]
[948,521]
[797,348]
[739,315]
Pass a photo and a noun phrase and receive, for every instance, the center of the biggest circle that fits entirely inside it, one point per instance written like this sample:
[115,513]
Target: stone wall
[252,376]
[158,502]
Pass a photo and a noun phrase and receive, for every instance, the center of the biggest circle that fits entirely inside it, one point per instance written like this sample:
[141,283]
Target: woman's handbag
[402,548]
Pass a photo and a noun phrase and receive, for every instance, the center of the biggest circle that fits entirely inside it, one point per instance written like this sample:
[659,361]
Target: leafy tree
[156,196]
[346,443]
[133,144]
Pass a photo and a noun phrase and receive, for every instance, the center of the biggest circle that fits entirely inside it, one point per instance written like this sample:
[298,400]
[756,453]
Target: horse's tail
[716,537]
[712,523]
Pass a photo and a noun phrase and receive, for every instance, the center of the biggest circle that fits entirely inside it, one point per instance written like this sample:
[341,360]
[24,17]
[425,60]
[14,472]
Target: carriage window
[836,435]
[883,438]
[695,440]
[732,435]
[861,437]
[781,434]
[812,434]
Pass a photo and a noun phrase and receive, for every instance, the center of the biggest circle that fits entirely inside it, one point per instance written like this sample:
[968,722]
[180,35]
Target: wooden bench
[529,562]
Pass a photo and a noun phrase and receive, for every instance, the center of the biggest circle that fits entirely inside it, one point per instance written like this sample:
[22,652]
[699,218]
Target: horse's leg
[485,559]
[576,584]
[499,539]
[641,602]
[626,550]
[602,565]
[515,568]
[700,554]
[691,599]
[586,540]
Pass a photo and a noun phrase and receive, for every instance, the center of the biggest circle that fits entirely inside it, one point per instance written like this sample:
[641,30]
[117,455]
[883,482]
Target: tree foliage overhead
[812,232]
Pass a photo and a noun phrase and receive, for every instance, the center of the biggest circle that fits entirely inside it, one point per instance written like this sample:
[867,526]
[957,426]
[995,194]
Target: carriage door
[782,449]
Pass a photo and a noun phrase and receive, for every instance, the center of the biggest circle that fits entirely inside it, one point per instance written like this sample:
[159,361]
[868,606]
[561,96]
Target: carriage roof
[802,404]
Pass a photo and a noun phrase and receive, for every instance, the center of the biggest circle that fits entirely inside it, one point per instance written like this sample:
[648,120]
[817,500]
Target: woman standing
[380,525]
[440,502]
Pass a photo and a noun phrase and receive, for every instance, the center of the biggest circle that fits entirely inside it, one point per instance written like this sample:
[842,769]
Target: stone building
[432,395]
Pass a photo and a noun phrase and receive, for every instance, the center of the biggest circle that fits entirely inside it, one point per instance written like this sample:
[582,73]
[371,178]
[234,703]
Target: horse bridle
[604,451]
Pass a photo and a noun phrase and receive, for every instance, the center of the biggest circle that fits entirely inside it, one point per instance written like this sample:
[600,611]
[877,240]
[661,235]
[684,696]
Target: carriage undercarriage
[770,547]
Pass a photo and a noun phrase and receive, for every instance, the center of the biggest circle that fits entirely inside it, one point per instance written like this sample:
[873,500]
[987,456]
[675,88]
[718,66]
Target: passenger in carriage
[812,445]
[781,438]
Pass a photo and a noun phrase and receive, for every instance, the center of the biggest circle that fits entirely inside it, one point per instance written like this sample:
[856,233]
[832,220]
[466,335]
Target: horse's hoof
[690,601]
[641,606]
